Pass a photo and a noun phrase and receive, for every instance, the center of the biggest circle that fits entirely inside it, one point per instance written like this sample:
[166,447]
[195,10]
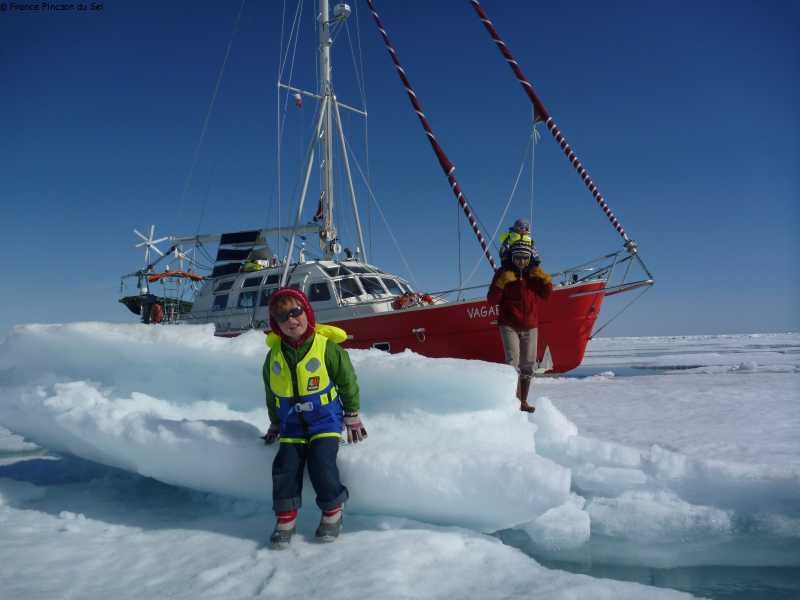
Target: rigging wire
[278,134]
[361,82]
[622,310]
[460,271]
[294,36]
[205,199]
[412,277]
[521,169]
[366,121]
[199,145]
[535,139]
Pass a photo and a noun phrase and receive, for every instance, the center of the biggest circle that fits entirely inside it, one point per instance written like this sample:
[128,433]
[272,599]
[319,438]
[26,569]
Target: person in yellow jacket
[518,233]
[311,394]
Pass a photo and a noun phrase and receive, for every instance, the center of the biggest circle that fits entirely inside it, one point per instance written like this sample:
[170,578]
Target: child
[518,232]
[311,391]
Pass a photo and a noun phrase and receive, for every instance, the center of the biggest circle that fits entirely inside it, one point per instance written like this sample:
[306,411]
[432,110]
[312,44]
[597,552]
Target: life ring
[404,300]
[156,313]
[411,298]
[183,274]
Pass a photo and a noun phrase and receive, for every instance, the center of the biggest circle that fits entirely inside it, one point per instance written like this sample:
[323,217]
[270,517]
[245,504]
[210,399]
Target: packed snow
[131,465]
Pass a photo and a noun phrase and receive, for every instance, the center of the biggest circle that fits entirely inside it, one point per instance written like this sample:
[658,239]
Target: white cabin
[337,290]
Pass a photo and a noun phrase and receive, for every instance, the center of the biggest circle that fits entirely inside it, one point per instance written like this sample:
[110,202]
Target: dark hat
[521,250]
[522,223]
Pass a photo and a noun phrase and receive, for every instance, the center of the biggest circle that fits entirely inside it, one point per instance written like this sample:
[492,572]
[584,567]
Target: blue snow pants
[287,474]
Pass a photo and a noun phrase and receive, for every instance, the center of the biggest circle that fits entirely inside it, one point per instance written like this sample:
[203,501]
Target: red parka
[519,294]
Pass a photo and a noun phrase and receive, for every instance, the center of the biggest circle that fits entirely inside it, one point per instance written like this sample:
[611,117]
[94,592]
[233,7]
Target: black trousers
[287,474]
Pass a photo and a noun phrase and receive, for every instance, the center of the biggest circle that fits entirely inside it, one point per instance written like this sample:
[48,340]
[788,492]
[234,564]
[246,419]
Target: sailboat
[376,308]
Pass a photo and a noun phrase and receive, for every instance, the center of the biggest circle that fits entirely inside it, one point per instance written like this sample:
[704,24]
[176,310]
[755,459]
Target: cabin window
[385,346]
[265,296]
[220,302]
[224,285]
[252,282]
[348,288]
[247,300]
[319,292]
[372,285]
[273,279]
[393,286]
[337,270]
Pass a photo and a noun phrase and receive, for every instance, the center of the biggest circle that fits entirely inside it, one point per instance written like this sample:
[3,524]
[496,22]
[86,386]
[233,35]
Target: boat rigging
[378,309]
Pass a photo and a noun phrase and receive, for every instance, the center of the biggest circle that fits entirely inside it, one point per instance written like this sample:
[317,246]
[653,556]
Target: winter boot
[284,529]
[330,524]
[523,385]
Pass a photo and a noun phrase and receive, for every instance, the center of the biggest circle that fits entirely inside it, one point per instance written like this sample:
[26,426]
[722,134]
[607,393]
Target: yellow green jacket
[337,364]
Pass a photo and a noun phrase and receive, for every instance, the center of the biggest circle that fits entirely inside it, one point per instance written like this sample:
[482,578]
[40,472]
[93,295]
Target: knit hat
[521,250]
[522,223]
[301,299]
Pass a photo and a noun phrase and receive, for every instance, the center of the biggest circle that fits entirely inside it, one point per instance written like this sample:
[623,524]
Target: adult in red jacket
[518,290]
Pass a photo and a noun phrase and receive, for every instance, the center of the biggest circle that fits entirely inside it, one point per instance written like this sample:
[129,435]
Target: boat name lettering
[481,312]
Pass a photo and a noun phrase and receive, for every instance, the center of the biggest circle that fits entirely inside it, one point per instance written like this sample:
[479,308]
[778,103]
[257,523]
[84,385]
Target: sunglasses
[289,314]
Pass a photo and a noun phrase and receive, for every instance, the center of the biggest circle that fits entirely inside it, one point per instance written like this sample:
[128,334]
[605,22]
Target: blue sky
[685,114]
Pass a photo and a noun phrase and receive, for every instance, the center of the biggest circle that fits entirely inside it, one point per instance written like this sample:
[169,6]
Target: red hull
[469,330]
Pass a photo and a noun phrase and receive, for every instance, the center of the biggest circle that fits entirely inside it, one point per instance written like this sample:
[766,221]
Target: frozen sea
[665,467]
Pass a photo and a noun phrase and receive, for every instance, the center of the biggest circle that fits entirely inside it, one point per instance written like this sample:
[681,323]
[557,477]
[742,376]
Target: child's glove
[272,435]
[356,432]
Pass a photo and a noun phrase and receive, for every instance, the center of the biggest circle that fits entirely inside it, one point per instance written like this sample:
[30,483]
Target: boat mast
[328,113]
[328,233]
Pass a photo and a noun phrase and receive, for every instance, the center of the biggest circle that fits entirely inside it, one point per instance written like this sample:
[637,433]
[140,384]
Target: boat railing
[619,270]
[209,316]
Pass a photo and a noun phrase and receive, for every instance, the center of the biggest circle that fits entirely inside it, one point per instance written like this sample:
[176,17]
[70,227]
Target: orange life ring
[404,300]
[185,274]
[411,298]
[156,313]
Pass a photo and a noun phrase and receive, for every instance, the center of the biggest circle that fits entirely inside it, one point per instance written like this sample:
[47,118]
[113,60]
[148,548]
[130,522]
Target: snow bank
[66,542]
[446,445]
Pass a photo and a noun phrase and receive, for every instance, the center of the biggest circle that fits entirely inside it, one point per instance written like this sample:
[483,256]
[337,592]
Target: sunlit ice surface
[692,464]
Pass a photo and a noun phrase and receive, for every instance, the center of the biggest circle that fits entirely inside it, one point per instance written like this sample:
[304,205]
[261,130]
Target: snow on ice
[695,462]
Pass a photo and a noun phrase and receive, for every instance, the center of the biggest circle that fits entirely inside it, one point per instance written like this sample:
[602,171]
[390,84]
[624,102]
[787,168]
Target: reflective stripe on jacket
[306,397]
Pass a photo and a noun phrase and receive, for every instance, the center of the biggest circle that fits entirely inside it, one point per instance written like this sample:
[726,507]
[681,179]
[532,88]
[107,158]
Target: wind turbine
[149,244]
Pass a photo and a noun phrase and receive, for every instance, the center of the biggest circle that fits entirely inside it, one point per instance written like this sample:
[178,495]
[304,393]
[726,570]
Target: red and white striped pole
[541,113]
[444,162]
